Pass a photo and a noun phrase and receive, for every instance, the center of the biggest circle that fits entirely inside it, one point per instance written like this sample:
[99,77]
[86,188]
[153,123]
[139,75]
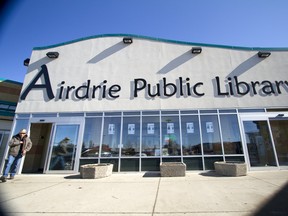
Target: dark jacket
[15,144]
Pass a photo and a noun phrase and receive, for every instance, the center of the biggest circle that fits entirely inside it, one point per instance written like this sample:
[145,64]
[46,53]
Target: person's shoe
[11,177]
[3,178]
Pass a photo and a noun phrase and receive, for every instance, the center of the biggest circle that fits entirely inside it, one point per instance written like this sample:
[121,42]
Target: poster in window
[150,128]
[209,127]
[131,128]
[170,128]
[111,129]
[190,127]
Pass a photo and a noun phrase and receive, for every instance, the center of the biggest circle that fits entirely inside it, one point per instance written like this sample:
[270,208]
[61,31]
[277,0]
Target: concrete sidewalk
[143,194]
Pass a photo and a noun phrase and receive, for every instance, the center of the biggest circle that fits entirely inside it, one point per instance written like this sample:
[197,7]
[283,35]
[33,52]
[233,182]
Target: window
[139,140]
[4,136]
[150,136]
[210,135]
[191,143]
[131,137]
[170,136]
[92,135]
[20,124]
[111,137]
[231,134]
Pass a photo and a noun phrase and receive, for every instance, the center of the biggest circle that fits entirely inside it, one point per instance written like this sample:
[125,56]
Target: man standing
[19,145]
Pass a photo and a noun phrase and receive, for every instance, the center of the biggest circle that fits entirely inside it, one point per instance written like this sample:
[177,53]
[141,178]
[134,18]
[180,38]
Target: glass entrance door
[259,143]
[63,148]
[279,128]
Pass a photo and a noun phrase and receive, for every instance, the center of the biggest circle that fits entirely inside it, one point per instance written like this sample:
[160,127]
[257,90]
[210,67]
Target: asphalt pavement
[146,194]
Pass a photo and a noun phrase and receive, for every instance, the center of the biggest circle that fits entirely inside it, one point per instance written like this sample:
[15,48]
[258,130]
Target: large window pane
[193,163]
[171,159]
[64,147]
[170,136]
[130,164]
[280,134]
[150,164]
[234,158]
[150,136]
[259,143]
[209,162]
[210,134]
[231,134]
[111,137]
[131,137]
[92,135]
[4,136]
[191,143]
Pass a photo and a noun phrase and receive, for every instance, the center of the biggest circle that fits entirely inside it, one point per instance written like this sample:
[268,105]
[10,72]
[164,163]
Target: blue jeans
[58,159]
[12,165]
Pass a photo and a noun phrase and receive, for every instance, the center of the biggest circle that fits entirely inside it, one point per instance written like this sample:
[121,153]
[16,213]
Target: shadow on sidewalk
[211,174]
[76,176]
[146,175]
[276,205]
[152,174]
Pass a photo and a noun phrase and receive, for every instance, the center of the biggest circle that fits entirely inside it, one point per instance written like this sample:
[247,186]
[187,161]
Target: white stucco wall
[108,58]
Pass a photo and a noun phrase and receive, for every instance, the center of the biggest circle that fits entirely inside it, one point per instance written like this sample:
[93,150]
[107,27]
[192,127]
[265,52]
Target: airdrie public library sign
[219,76]
[182,87]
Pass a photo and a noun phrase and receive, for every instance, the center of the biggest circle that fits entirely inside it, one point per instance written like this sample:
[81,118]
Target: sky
[25,24]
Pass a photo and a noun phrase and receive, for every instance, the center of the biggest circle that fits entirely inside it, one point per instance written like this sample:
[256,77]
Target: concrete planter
[172,169]
[230,168]
[95,171]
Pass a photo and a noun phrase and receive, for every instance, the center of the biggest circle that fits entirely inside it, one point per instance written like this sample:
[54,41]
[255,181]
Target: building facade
[9,96]
[137,101]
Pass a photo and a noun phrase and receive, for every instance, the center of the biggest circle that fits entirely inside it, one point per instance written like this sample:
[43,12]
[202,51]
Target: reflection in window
[64,147]
[280,135]
[210,134]
[111,137]
[191,143]
[92,135]
[150,136]
[170,136]
[4,136]
[259,143]
[231,134]
[131,136]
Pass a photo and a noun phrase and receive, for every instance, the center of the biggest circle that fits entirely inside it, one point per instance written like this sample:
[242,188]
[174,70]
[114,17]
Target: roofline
[167,41]
[10,81]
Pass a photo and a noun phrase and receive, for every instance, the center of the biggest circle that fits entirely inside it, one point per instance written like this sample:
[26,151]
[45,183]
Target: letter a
[46,85]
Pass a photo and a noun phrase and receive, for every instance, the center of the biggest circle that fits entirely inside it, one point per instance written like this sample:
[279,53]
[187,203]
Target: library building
[136,101]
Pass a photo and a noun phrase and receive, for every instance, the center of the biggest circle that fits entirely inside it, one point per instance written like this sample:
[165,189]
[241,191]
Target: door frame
[258,117]
[62,121]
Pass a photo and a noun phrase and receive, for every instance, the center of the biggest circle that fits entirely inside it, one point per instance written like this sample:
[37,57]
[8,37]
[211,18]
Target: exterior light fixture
[26,62]
[196,50]
[263,54]
[52,54]
[127,40]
